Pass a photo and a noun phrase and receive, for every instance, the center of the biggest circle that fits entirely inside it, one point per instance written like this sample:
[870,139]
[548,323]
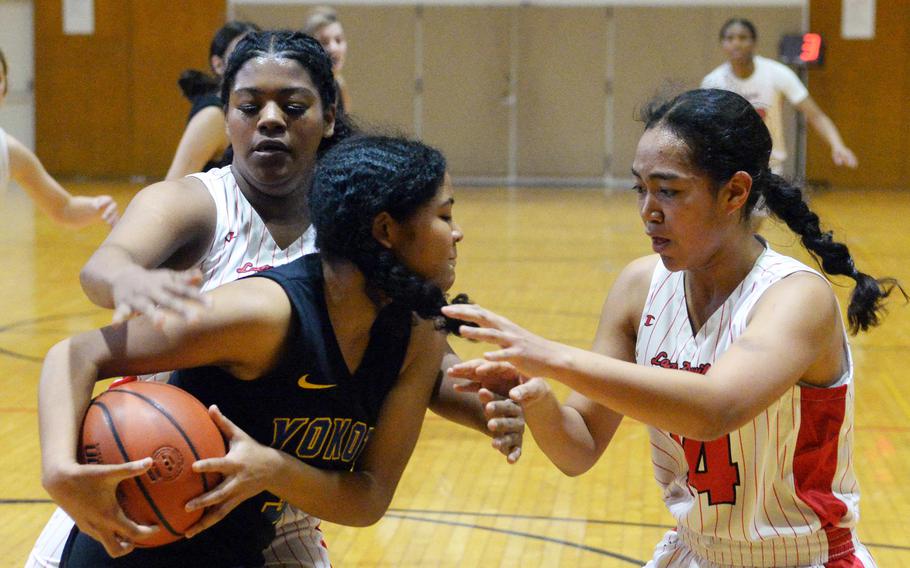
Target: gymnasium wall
[581,74]
[864,88]
[108,104]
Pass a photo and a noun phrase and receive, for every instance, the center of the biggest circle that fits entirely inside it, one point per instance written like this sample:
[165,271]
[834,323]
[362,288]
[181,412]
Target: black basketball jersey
[310,406]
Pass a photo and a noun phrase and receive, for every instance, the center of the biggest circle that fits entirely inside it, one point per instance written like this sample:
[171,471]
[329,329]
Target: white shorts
[672,552]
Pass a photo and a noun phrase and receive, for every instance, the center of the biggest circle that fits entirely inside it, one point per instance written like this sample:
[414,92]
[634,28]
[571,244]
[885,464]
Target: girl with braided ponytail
[734,355]
[340,345]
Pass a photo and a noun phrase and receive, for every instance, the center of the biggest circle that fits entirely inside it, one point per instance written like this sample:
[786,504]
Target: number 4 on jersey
[712,469]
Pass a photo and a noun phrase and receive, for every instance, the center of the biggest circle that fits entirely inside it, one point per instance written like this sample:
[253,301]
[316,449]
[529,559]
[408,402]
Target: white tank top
[780,491]
[242,243]
[4,162]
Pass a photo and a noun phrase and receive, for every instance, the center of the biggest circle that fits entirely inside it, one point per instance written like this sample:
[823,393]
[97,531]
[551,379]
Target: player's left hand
[843,156]
[531,355]
[246,469]
[506,423]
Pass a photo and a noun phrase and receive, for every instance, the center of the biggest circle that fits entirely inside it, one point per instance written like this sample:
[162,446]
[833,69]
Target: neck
[744,67]
[708,286]
[280,205]
[350,308]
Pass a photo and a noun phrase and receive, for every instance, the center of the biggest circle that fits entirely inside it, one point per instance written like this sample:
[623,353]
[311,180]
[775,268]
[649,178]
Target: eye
[248,108]
[638,189]
[667,192]
[296,109]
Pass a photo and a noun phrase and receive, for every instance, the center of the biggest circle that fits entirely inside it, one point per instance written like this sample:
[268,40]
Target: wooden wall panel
[107,104]
[864,88]
[167,38]
[82,94]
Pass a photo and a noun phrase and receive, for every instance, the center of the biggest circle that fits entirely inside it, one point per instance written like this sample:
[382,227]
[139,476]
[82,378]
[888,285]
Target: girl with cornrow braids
[735,356]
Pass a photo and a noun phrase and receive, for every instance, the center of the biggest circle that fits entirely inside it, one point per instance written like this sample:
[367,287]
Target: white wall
[17,115]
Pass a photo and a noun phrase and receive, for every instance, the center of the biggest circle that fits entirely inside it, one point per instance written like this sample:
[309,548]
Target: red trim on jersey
[822,413]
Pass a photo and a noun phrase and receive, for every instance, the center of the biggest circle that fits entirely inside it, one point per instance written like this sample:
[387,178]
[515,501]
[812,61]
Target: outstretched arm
[840,154]
[794,335]
[50,197]
[203,140]
[168,223]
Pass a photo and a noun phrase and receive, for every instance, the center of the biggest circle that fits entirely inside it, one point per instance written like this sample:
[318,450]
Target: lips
[271,147]
[658,244]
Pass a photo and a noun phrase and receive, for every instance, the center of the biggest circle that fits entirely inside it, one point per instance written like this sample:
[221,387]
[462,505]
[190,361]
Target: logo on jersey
[323,438]
[663,360]
[229,237]
[304,383]
[649,320]
[248,267]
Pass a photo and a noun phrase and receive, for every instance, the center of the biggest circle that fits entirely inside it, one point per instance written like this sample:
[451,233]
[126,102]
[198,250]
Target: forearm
[463,408]
[825,127]
[98,274]
[347,498]
[682,402]
[64,392]
[562,435]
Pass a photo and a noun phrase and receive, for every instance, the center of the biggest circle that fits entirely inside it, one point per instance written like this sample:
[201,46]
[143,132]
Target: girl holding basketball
[223,224]
[22,166]
[361,319]
[735,356]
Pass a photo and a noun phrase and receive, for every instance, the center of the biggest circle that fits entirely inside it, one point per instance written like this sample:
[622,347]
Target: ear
[736,192]
[217,65]
[385,229]
[329,118]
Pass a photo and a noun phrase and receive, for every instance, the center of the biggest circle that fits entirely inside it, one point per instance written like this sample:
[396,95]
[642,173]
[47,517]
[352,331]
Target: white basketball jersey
[780,491]
[242,243]
[4,161]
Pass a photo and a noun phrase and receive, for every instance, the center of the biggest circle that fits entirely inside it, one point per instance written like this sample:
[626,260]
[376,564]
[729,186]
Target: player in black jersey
[361,321]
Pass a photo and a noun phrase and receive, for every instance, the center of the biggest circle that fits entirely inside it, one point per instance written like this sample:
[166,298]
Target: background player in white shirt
[764,82]
[20,164]
[736,357]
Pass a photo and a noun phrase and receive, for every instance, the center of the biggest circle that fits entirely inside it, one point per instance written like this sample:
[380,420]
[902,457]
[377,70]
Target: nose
[271,118]
[650,212]
[457,233]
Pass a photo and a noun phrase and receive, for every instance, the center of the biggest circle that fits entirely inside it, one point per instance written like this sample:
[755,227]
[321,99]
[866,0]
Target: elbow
[716,423]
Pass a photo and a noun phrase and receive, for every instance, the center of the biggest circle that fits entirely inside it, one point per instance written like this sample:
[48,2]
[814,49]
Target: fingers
[211,516]
[530,391]
[468,386]
[118,472]
[108,208]
[217,495]
[228,428]
[485,334]
[476,314]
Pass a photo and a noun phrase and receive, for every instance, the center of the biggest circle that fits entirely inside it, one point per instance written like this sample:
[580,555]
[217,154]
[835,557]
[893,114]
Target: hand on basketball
[88,493]
[506,423]
[245,469]
[530,354]
[156,293]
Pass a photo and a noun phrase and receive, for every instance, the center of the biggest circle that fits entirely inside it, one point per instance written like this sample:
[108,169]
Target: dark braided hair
[725,135]
[302,49]
[357,180]
[741,21]
[193,82]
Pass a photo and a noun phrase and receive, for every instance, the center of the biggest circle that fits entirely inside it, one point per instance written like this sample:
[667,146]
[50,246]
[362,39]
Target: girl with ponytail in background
[204,144]
[735,356]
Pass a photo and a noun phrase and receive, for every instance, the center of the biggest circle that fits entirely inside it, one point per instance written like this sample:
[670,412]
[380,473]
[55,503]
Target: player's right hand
[88,493]
[492,375]
[157,292]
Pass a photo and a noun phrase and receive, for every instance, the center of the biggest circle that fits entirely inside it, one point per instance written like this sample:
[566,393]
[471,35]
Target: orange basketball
[135,420]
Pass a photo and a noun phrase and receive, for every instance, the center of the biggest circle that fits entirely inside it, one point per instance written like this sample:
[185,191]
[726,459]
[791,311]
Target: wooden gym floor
[545,258]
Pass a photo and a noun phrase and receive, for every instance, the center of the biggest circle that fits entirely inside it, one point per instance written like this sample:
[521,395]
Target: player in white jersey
[735,356]
[182,237]
[764,83]
[19,164]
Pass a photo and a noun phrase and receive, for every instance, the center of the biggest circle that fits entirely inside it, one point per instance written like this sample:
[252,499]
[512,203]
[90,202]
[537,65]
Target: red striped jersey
[242,244]
[780,491]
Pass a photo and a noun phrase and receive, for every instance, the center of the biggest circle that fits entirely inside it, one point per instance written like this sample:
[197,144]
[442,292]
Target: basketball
[135,420]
